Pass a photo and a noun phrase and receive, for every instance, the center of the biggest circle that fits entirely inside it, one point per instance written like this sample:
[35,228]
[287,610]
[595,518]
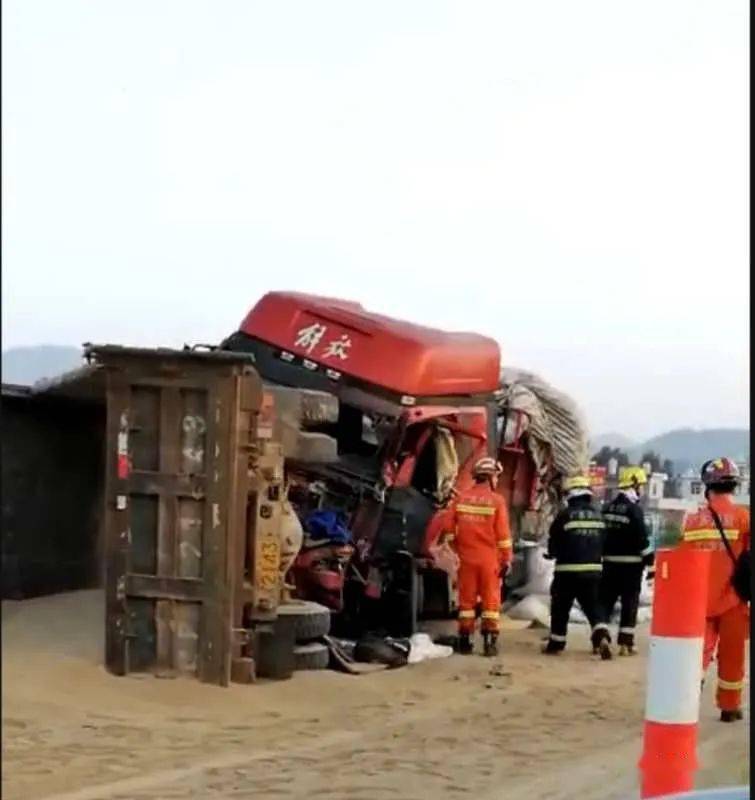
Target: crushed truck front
[416,407]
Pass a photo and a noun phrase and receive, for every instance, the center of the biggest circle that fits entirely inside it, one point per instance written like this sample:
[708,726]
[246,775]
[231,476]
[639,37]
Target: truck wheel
[435,596]
[311,656]
[274,650]
[404,601]
[310,620]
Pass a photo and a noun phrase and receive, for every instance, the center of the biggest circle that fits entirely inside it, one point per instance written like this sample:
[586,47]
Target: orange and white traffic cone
[672,710]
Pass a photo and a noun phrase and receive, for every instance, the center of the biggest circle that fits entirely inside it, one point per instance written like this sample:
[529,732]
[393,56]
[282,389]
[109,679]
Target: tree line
[656,461]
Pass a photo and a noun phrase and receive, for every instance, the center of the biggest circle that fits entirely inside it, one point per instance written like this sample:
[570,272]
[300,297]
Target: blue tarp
[326,524]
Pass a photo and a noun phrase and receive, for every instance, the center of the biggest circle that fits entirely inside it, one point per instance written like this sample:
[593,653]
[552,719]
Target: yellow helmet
[631,477]
[576,482]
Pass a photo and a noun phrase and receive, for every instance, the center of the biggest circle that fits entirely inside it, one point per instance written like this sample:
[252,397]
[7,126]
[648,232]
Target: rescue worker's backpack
[741,576]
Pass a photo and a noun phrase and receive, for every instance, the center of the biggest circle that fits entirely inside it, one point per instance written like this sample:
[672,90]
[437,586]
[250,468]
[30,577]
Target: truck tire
[274,649]
[310,620]
[311,656]
[404,599]
[436,600]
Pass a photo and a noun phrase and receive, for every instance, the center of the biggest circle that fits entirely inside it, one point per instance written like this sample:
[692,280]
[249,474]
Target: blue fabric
[325,524]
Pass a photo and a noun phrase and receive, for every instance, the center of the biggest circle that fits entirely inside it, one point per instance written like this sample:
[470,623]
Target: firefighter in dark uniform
[575,542]
[627,551]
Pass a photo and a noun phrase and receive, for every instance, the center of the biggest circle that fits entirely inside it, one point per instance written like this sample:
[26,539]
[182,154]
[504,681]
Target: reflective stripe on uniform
[485,511]
[554,637]
[601,626]
[504,544]
[733,686]
[623,559]
[626,630]
[491,615]
[701,534]
[578,523]
[578,568]
[466,614]
[617,518]
[648,550]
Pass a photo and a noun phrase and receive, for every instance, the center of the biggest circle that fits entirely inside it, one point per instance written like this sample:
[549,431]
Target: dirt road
[547,728]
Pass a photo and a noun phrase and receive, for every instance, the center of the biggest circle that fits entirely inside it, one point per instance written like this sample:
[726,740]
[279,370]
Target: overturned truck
[380,421]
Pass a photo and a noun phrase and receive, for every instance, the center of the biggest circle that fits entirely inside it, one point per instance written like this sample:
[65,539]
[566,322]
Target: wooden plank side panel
[214,658]
[142,636]
[116,533]
[144,428]
[239,456]
[176,520]
[190,534]
[165,588]
[186,617]
[143,520]
[167,464]
[193,431]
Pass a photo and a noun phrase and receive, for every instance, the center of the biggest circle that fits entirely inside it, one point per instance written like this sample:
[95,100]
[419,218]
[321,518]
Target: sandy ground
[547,728]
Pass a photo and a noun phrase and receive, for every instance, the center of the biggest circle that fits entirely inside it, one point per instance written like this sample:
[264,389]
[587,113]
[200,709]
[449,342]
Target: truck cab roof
[332,340]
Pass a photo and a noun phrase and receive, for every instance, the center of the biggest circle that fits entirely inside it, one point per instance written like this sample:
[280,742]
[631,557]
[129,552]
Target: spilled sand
[557,728]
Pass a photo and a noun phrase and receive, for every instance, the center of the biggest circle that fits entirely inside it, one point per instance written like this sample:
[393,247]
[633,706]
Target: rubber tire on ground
[274,649]
[435,601]
[311,620]
[311,656]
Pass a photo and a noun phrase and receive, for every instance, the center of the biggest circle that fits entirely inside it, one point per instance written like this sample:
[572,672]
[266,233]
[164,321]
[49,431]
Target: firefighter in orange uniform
[482,540]
[727,615]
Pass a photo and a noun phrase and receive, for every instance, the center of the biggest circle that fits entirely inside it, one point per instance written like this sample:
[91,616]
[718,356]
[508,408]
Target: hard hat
[576,482]
[487,466]
[631,477]
[719,470]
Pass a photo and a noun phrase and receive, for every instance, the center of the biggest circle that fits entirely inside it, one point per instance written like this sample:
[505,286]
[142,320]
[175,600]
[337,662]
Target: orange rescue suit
[728,618]
[482,539]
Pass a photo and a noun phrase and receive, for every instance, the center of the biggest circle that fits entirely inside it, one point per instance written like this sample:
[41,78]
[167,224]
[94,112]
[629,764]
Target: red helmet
[719,470]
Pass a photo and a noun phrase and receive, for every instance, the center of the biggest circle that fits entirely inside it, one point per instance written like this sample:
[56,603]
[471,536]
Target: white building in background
[690,489]
[655,487]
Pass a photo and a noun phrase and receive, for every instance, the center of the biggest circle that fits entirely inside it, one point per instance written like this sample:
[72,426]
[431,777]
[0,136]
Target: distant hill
[25,365]
[688,447]
[611,440]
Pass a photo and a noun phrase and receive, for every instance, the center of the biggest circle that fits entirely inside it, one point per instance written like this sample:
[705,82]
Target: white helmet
[487,467]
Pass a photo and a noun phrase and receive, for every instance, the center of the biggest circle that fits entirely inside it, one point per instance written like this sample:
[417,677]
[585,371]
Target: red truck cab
[402,388]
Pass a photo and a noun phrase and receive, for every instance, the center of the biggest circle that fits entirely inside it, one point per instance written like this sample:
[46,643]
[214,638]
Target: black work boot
[732,716]
[601,643]
[490,644]
[465,644]
[553,648]
[604,649]
[626,644]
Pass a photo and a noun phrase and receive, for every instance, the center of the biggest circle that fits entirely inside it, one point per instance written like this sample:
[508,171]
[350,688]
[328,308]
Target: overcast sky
[571,178]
